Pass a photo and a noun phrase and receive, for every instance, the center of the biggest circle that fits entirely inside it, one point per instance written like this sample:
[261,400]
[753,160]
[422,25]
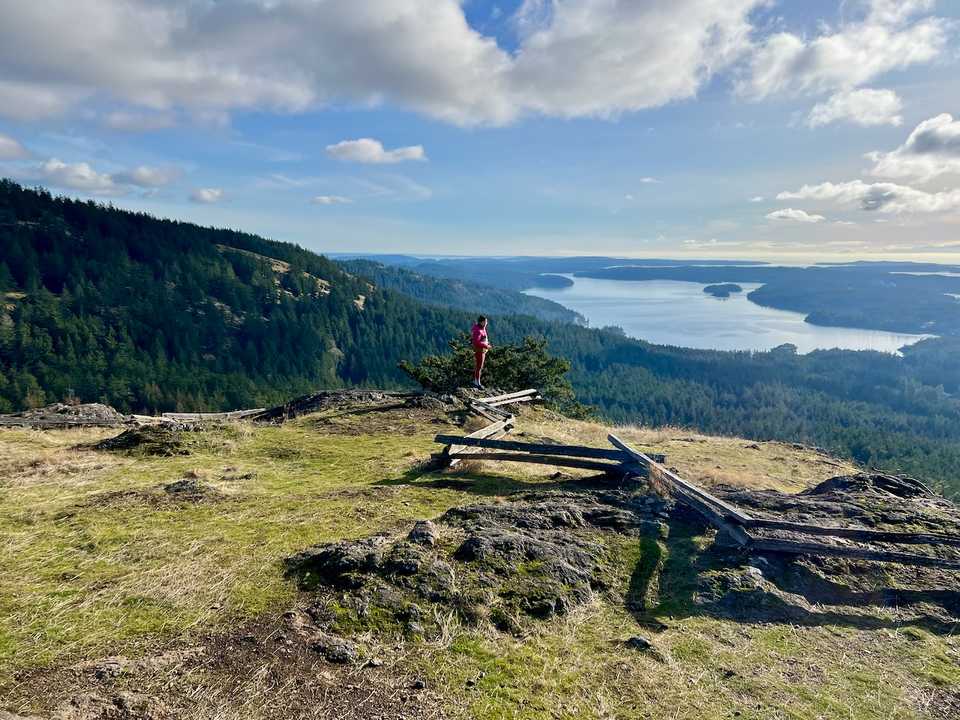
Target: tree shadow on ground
[665,582]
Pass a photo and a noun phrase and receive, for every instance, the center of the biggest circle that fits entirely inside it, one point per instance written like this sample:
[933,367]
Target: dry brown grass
[701,458]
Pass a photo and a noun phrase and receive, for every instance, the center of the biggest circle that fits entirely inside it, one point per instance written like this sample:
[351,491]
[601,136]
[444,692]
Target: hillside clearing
[163,577]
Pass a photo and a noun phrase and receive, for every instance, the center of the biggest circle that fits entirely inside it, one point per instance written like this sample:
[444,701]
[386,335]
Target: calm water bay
[670,312]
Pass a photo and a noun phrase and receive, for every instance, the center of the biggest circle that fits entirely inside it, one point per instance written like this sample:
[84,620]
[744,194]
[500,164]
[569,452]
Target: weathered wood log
[490,413]
[494,430]
[529,398]
[54,423]
[558,460]
[863,534]
[718,513]
[231,415]
[582,451]
[796,547]
[724,508]
[509,396]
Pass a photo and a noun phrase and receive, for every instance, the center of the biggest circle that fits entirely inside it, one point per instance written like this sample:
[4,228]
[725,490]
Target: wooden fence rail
[736,523]
[732,521]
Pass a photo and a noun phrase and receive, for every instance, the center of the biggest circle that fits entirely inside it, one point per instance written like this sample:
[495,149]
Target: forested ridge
[151,315]
[460,293]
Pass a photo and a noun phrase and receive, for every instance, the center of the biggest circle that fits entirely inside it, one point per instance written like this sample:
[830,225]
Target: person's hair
[481,320]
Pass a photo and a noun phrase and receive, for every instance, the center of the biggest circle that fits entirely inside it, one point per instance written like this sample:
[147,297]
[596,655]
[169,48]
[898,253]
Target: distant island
[722,290]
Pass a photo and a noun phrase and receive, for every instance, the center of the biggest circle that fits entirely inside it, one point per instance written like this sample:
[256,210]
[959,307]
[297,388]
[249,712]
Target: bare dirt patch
[267,668]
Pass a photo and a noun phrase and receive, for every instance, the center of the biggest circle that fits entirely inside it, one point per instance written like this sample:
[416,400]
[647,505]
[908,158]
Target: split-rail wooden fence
[731,522]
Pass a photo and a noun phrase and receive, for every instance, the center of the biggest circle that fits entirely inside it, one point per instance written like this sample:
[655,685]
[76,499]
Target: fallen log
[199,416]
[721,507]
[796,547]
[559,461]
[40,423]
[542,448]
[862,534]
[510,396]
[498,403]
[494,430]
[490,413]
[581,451]
[721,515]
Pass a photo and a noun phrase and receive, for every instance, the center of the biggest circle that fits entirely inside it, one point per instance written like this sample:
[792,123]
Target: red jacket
[478,336]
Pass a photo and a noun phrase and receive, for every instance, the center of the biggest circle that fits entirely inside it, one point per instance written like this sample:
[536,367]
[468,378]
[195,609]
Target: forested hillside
[459,293]
[150,315]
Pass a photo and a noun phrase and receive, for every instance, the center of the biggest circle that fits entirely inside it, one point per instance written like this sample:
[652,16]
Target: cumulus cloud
[148,177]
[865,107]
[10,149]
[602,57]
[884,197]
[331,200]
[370,151]
[206,196]
[794,215]
[83,177]
[932,149]
[889,37]
[575,58]
[77,176]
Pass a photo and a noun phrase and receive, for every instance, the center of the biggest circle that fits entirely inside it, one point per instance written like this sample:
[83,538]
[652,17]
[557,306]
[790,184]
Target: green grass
[82,576]
[704,667]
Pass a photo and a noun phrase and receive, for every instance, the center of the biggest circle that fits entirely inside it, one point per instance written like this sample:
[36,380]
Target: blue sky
[710,128]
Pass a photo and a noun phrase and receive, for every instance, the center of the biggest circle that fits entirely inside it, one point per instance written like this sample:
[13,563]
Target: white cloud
[865,107]
[602,57]
[757,199]
[148,177]
[883,197]
[887,38]
[206,196]
[575,57]
[83,177]
[159,61]
[932,149]
[894,11]
[32,100]
[711,243]
[138,121]
[10,149]
[331,200]
[793,215]
[76,176]
[650,181]
[370,151]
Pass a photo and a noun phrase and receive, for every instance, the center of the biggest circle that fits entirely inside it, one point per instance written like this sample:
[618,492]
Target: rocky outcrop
[536,555]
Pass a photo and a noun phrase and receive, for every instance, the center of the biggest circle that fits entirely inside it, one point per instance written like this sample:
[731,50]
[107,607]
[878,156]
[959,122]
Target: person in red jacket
[478,336]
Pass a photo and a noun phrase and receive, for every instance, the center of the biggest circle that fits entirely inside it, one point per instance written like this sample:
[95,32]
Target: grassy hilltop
[116,581]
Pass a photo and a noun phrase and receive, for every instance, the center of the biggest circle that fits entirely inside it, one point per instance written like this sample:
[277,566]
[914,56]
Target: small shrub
[508,367]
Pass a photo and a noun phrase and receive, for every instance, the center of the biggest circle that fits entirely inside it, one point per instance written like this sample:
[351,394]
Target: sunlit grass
[84,573]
